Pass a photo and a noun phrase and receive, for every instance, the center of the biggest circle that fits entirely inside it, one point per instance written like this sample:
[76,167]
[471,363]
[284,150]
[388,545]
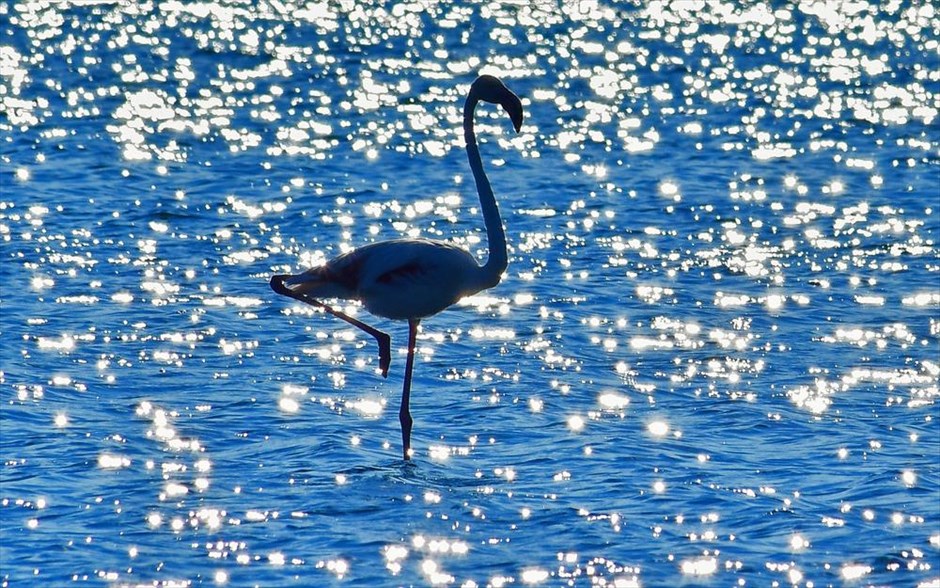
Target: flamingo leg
[384,341]
[404,413]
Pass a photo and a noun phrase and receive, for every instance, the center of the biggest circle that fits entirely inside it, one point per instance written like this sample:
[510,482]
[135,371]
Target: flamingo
[411,279]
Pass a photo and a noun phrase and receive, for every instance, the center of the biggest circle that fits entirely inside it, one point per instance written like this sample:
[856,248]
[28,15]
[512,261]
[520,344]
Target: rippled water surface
[714,359]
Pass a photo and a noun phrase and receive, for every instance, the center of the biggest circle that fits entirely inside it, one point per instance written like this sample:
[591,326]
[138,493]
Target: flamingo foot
[385,352]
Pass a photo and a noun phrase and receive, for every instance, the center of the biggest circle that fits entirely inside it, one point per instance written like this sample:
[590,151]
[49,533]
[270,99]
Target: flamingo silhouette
[410,279]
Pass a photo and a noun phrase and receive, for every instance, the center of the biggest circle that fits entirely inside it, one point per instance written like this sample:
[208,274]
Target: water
[713,359]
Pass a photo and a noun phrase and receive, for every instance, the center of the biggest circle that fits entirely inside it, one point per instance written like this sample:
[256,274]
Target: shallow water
[715,356]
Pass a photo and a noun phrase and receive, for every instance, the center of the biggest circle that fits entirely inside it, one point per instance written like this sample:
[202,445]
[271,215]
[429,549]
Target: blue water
[714,359]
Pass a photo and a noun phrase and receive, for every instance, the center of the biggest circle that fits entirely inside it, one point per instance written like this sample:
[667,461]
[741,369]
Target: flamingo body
[410,279]
[399,279]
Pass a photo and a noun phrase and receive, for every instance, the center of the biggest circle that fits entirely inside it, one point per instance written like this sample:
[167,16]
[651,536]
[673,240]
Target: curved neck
[498,259]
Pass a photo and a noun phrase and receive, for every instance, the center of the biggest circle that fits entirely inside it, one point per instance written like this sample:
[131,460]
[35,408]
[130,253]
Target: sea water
[713,360]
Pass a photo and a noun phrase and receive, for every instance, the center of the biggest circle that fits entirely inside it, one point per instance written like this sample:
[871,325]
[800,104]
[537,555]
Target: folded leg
[384,341]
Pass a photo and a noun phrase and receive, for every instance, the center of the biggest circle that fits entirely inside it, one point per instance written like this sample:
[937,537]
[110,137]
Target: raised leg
[384,341]
[404,413]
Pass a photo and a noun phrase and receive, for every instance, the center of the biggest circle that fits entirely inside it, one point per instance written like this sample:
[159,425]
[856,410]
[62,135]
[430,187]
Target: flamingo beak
[513,107]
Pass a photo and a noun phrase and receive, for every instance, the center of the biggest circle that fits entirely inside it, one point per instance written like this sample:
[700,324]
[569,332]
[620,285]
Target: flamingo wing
[412,278]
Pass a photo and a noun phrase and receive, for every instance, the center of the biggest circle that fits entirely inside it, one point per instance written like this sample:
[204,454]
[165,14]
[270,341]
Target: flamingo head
[491,89]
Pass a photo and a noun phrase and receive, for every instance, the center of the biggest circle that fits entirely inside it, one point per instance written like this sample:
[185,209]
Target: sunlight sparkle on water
[704,566]
[288,404]
[394,555]
[855,571]
[670,189]
[368,407]
[339,567]
[439,452]
[434,574]
[534,576]
[613,401]
[576,423]
[173,490]
[798,542]
[658,428]
[154,520]
[276,559]
[113,462]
